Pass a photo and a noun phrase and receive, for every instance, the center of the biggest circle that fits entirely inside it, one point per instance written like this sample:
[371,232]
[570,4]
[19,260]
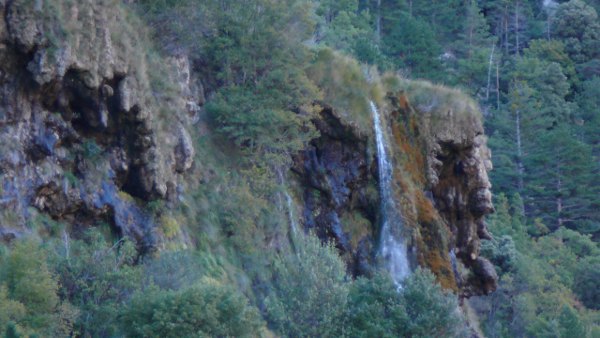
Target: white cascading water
[393,246]
[290,203]
[291,216]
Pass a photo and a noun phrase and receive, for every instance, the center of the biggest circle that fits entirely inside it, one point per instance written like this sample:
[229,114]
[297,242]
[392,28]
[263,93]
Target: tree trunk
[505,18]
[378,22]
[520,168]
[497,85]
[559,201]
[517,27]
[487,91]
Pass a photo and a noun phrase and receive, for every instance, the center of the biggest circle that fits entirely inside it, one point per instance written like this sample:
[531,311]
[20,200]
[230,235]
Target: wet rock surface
[338,173]
[335,173]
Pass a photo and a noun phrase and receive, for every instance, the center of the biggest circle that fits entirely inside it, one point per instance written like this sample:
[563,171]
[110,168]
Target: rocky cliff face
[89,135]
[80,129]
[442,188]
[339,189]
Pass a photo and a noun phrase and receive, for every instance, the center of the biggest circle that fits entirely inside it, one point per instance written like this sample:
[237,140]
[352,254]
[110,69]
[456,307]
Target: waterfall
[290,203]
[393,246]
[291,216]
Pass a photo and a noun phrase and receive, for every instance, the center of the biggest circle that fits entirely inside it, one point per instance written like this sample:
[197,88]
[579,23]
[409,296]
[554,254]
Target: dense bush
[29,294]
[206,309]
[375,308]
[310,290]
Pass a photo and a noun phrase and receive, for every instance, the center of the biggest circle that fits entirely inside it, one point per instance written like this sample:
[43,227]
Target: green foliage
[98,277]
[259,121]
[576,23]
[344,86]
[256,61]
[431,311]
[206,309]
[175,270]
[169,226]
[375,308]
[29,293]
[12,331]
[587,281]
[570,324]
[310,290]
[411,44]
[11,311]
[589,101]
[535,296]
[553,51]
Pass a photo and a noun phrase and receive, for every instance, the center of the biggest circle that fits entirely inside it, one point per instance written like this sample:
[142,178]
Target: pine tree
[570,324]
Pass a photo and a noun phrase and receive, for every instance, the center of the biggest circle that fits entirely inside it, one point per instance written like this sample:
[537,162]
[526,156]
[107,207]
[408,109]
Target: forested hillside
[299,168]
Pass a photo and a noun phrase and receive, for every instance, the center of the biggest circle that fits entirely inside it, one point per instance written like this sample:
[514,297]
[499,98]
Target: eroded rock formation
[79,126]
[442,188]
[339,192]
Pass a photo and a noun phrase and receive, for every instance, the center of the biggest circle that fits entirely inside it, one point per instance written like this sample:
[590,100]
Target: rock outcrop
[441,187]
[457,162]
[81,128]
[339,189]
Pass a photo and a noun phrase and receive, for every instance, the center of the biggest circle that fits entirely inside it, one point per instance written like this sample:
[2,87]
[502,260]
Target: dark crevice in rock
[335,175]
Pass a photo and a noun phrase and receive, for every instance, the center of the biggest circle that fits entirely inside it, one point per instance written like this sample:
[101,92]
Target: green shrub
[208,308]
[29,293]
[375,308]
[432,312]
[99,277]
[310,291]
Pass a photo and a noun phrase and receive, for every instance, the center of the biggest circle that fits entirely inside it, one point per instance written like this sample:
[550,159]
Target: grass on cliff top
[431,98]
[344,85]
[349,86]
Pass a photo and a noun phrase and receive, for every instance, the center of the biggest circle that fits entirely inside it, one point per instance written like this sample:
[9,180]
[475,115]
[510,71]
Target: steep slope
[95,127]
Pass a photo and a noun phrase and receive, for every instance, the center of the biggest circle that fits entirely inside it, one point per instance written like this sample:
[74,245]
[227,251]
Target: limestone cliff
[80,125]
[441,185]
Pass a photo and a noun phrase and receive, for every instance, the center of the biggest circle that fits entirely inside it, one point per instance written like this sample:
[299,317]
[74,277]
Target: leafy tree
[11,311]
[560,168]
[588,100]
[99,278]
[29,292]
[431,311]
[310,290]
[576,24]
[570,324]
[587,281]
[440,15]
[553,51]
[375,308]
[207,308]
[260,75]
[12,331]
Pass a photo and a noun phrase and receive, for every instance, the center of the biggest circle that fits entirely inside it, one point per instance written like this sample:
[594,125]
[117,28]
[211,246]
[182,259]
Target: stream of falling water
[393,246]
[290,208]
[290,203]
